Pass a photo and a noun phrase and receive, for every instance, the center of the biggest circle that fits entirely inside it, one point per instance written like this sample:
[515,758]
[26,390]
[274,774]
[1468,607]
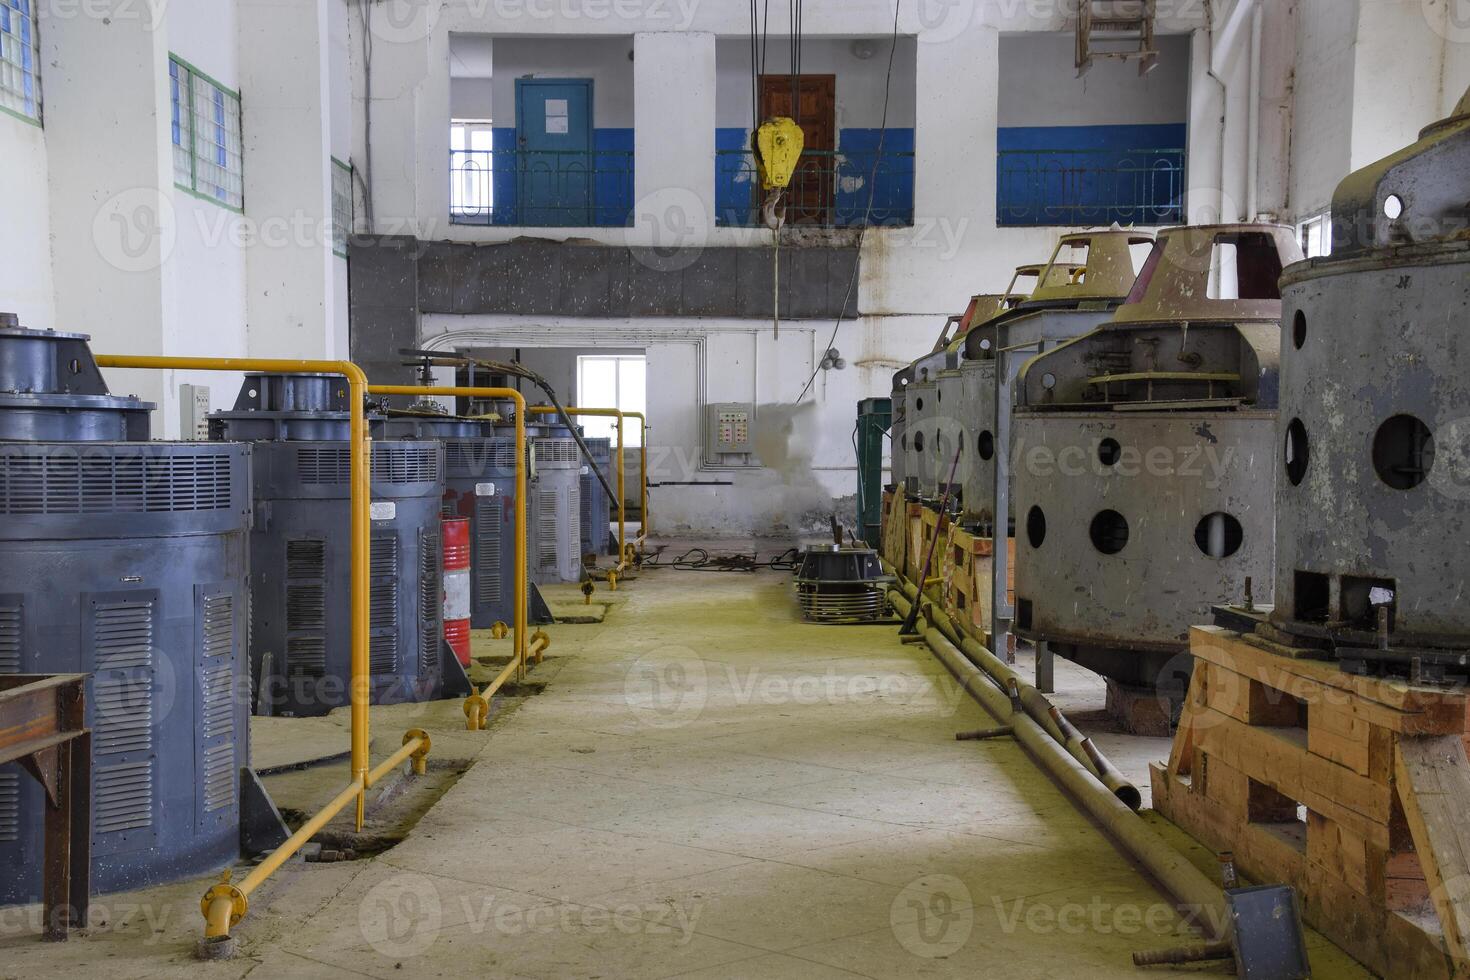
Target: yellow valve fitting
[612,581]
[499,630]
[421,757]
[545,643]
[778,145]
[223,906]
[476,711]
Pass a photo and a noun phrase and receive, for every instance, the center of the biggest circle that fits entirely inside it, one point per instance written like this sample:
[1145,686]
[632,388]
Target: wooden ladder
[1121,29]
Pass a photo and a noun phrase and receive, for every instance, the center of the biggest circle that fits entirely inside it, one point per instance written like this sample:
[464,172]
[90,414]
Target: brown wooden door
[810,197]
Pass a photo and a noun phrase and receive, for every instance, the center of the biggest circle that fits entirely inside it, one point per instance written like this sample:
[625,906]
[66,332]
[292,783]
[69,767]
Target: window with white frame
[1316,235]
[20,59]
[206,136]
[612,381]
[341,206]
[471,168]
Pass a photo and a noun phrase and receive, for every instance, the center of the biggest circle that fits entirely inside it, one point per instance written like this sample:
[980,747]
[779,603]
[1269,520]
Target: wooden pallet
[1354,790]
[892,530]
[966,576]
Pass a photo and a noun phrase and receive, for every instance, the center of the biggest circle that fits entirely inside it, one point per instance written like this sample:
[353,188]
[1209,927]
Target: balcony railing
[540,188]
[831,189]
[1090,187]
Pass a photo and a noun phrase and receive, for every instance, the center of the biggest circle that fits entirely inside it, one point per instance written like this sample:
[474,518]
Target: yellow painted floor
[706,788]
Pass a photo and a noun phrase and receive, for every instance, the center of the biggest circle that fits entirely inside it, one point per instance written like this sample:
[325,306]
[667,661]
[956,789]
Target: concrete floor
[706,788]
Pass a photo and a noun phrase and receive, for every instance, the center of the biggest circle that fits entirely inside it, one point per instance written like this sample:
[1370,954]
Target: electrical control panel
[194,412]
[729,428]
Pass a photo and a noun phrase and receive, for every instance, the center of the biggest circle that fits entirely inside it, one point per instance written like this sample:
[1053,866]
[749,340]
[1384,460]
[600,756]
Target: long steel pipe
[643,524]
[1036,704]
[1199,901]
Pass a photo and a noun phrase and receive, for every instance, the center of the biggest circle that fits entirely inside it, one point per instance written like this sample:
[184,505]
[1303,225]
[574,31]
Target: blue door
[554,133]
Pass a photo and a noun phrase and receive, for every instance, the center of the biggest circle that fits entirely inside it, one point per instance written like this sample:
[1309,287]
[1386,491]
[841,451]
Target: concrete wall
[605,60]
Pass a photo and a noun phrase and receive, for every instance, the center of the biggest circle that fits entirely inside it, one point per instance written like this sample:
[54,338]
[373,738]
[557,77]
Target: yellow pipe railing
[477,705]
[225,903]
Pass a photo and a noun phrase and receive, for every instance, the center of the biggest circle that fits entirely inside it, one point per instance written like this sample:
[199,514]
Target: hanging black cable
[868,209]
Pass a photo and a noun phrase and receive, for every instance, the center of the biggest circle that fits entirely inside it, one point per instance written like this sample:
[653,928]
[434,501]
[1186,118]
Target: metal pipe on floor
[1198,900]
[1037,706]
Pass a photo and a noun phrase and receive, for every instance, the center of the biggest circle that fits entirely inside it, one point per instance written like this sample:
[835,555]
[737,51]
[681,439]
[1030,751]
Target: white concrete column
[111,183]
[673,138]
[290,275]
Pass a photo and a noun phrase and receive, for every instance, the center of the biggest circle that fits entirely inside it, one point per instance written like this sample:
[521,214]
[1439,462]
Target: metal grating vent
[332,465]
[122,635]
[383,599]
[9,807]
[431,601]
[123,715]
[546,529]
[11,631]
[306,656]
[555,450]
[306,607]
[220,777]
[477,455]
[122,797]
[405,464]
[487,549]
[62,483]
[323,465]
[218,714]
[219,625]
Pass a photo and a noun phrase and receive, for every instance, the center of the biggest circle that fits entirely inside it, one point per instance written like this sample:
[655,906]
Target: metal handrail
[1068,186]
[835,167]
[579,170]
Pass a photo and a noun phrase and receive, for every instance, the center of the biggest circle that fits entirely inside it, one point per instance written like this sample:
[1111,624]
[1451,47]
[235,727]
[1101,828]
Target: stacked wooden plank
[1354,790]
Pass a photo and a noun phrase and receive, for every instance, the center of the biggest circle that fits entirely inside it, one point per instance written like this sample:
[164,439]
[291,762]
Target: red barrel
[457,587]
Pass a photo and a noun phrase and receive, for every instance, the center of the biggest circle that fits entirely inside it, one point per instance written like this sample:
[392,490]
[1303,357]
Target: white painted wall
[605,60]
[25,247]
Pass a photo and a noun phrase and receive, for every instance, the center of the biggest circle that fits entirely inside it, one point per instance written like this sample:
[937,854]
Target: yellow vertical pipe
[642,477]
[521,614]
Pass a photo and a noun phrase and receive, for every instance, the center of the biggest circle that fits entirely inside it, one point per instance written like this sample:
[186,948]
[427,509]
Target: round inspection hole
[1218,535]
[1298,452]
[1109,532]
[919,404]
[1035,526]
[986,445]
[1048,381]
[76,366]
[1298,330]
[1403,452]
[1109,452]
[1393,207]
[939,394]
[919,441]
[904,441]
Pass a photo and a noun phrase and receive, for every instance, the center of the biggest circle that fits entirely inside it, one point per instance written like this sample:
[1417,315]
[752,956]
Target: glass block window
[341,206]
[206,136]
[178,83]
[20,59]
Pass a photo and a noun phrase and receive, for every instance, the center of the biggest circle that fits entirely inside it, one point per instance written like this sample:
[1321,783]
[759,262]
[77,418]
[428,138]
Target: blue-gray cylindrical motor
[300,550]
[596,508]
[479,485]
[124,559]
[554,505]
